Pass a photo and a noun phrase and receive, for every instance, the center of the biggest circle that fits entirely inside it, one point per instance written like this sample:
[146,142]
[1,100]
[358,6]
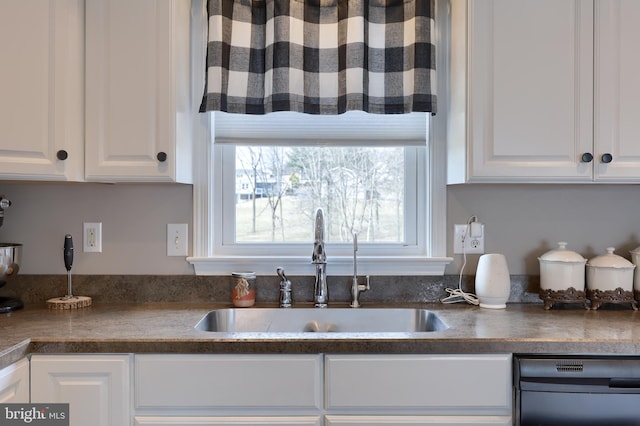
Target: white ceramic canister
[561,269]
[635,259]
[609,272]
[493,283]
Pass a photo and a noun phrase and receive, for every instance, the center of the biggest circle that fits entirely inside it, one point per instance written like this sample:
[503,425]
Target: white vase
[493,284]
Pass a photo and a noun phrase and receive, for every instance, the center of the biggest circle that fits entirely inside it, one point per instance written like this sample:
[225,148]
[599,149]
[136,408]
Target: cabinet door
[286,383]
[137,97]
[418,420]
[41,82]
[228,421]
[97,387]
[530,90]
[434,384]
[14,383]
[617,66]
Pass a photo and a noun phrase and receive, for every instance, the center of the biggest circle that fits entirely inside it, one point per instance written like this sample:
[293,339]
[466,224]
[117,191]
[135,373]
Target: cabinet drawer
[418,420]
[228,421]
[228,381]
[446,384]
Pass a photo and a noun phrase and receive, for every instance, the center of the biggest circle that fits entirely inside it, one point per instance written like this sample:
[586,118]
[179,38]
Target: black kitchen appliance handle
[624,383]
[68,252]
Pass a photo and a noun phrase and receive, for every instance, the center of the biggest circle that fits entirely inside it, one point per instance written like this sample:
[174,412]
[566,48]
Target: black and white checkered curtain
[320,56]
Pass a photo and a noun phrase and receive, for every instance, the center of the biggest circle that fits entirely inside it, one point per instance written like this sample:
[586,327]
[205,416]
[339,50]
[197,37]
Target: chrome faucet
[319,258]
[356,288]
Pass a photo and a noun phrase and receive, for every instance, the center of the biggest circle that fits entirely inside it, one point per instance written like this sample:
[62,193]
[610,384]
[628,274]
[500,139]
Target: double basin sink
[328,320]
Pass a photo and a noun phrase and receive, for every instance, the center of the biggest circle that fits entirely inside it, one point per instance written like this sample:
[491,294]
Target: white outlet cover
[472,245]
[177,239]
[92,237]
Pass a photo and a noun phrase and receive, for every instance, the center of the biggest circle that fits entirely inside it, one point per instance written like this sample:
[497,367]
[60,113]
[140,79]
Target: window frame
[426,258]
[429,260]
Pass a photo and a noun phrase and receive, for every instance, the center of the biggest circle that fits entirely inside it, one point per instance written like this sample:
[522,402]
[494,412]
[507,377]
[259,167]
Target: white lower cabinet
[96,387]
[268,389]
[418,420]
[228,390]
[14,383]
[332,390]
[418,389]
[231,421]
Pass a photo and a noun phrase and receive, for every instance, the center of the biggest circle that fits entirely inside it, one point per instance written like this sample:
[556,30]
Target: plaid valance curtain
[320,56]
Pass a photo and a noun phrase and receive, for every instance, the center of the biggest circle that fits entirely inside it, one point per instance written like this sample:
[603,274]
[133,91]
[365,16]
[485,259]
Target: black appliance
[577,390]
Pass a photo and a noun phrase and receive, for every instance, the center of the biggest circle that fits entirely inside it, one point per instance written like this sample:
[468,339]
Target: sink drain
[317,327]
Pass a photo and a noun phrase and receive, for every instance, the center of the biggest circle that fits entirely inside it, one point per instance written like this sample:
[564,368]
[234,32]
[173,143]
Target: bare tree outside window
[360,188]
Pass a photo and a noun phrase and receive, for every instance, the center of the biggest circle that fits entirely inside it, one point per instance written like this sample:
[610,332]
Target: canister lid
[610,260]
[561,254]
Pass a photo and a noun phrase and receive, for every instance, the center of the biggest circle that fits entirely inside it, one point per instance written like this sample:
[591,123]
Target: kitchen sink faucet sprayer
[319,258]
[356,288]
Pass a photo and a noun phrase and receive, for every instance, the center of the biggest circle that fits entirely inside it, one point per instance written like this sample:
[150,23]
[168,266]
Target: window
[370,174]
[360,188]
[398,212]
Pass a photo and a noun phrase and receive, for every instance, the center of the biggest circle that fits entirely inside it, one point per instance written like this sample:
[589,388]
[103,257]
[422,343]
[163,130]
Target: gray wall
[134,221]
[521,221]
[524,221]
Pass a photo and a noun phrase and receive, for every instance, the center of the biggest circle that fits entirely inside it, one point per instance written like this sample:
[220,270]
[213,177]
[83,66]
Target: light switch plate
[177,239]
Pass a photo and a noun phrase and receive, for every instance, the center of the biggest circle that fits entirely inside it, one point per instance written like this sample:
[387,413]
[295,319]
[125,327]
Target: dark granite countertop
[169,328]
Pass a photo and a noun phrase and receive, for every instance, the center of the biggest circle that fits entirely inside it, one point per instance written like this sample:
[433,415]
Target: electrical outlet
[177,239]
[465,242]
[92,237]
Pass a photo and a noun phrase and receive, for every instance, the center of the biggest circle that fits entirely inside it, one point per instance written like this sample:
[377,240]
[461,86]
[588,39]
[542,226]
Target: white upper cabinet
[530,80]
[541,101]
[42,87]
[96,91]
[617,89]
[138,111]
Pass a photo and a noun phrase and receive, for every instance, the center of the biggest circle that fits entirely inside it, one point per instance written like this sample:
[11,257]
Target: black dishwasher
[577,390]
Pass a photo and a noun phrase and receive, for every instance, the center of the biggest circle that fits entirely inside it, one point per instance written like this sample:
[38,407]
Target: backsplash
[36,289]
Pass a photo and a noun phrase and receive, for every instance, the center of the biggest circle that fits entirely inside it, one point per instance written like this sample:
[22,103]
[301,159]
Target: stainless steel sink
[330,320]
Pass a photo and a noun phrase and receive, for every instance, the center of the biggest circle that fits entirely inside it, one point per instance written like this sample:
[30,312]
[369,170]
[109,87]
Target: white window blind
[351,128]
